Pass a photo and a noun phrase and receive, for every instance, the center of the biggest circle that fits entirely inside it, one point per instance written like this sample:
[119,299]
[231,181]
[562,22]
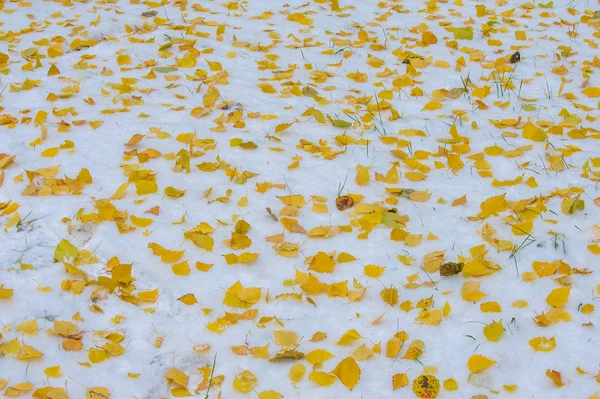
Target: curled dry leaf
[451,268]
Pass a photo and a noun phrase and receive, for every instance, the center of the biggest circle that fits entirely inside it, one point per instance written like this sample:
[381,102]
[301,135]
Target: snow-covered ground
[254,199]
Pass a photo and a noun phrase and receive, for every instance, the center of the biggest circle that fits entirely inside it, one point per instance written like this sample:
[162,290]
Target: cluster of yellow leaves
[43,182]
[182,59]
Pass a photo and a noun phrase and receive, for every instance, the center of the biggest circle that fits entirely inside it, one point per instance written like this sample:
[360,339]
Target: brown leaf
[516,57]
[451,268]
[344,202]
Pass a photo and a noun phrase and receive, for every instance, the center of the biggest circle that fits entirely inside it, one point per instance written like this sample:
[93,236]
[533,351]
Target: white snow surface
[447,346]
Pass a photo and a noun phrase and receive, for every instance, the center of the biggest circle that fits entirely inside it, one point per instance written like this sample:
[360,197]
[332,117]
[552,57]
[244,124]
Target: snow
[448,346]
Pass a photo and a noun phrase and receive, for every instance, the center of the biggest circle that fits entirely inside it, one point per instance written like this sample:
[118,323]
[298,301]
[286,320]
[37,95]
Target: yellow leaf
[28,327]
[6,160]
[293,200]
[571,205]
[460,201]
[12,221]
[120,191]
[543,344]
[231,259]
[490,307]
[492,206]
[493,331]
[181,268]
[267,88]
[450,385]
[260,352]
[203,267]
[392,177]
[481,92]
[98,355]
[415,176]
[345,257]
[18,389]
[318,356]
[322,263]
[348,337]
[432,105]
[211,97]
[464,33]
[51,152]
[556,377]
[231,296]
[214,66]
[53,371]
[470,291]
[177,377]
[593,248]
[321,378]
[65,328]
[296,372]
[282,127]
[522,229]
[286,339]
[148,296]
[140,222]
[40,117]
[414,350]
[180,392]
[389,295]
[362,175]
[250,295]
[244,381]
[204,241]
[592,91]
[123,59]
[429,38]
[248,257]
[187,61]
[447,309]
[188,299]
[534,133]
[50,393]
[399,381]
[166,256]
[386,94]
[12,347]
[558,297]
[269,395]
[65,251]
[420,196]
[454,162]
[173,192]
[374,271]
[97,393]
[340,123]
[348,372]
[145,187]
[587,308]
[362,353]
[478,363]
[430,317]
